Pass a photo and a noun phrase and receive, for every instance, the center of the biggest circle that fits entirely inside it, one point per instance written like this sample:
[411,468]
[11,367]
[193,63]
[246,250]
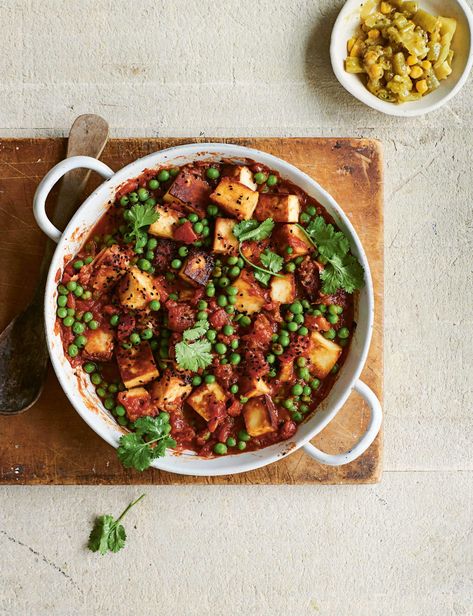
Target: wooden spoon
[23,349]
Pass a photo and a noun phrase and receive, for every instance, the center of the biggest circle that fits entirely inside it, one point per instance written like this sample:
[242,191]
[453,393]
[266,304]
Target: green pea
[322,308]
[260,178]
[224,361]
[170,276]
[183,251]
[78,291]
[135,338]
[89,367]
[343,342]
[288,404]
[270,358]
[244,436]
[304,408]
[62,301]
[68,321]
[335,369]
[78,328]
[209,379]
[296,308]
[292,326]
[299,319]
[306,390]
[120,411]
[221,348]
[176,263]
[334,309]
[333,318]
[152,243]
[223,282]
[193,217]
[123,421]
[343,332]
[73,350]
[289,250]
[211,335]
[303,331]
[304,217]
[272,180]
[93,324]
[220,449]
[181,221]
[234,389]
[113,388]
[154,305]
[174,296]
[153,344]
[80,341]
[101,393]
[196,381]
[230,309]
[234,271]
[240,263]
[330,335]
[61,312]
[298,260]
[245,321]
[217,272]
[283,341]
[133,197]
[301,362]
[126,345]
[150,202]
[153,184]
[277,349]
[212,173]
[235,359]
[314,384]
[304,374]
[234,344]
[297,417]
[62,290]
[212,210]
[143,194]
[96,378]
[243,399]
[78,264]
[290,267]
[174,171]
[241,445]
[124,201]
[149,254]
[202,305]
[231,442]
[311,210]
[297,389]
[222,301]
[163,175]
[72,285]
[146,334]
[109,403]
[228,330]
[232,260]
[144,264]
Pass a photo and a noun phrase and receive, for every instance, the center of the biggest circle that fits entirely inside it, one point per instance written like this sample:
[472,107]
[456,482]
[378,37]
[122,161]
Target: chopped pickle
[403,50]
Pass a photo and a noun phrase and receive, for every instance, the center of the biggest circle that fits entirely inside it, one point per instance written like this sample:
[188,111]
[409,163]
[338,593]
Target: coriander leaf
[262,277]
[98,539]
[138,449]
[166,443]
[141,215]
[193,356]
[251,230]
[152,427]
[342,273]
[272,261]
[108,533]
[134,452]
[328,241]
[196,331]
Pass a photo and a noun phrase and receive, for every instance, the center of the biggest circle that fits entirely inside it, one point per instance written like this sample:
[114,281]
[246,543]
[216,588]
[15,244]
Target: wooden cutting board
[50,444]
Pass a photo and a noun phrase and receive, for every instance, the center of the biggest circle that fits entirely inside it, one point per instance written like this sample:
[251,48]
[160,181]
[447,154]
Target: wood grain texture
[50,444]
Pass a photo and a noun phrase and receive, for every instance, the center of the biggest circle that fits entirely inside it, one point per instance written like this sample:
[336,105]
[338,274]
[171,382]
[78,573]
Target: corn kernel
[411,60]
[385,8]
[373,34]
[416,72]
[426,65]
[421,86]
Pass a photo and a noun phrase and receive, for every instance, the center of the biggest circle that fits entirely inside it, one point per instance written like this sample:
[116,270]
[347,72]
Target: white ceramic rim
[365,96]
[110,431]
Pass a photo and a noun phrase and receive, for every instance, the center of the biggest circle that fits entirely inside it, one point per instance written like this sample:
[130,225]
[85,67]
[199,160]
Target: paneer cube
[224,240]
[197,268]
[170,390]
[286,371]
[250,297]
[137,403]
[235,198]
[291,235]
[136,289]
[323,355]
[108,267]
[251,387]
[260,416]
[166,223]
[99,345]
[189,191]
[200,399]
[279,207]
[283,289]
[136,365]
[242,174]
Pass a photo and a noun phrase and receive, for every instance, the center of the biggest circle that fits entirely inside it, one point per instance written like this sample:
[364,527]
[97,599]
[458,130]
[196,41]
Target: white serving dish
[348,21]
[78,387]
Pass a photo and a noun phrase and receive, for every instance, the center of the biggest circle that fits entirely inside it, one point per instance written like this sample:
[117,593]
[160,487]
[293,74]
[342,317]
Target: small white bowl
[348,21]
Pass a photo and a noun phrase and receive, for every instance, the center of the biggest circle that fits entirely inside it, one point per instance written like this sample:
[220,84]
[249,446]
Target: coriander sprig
[149,441]
[193,352]
[342,270]
[253,230]
[108,534]
[139,216]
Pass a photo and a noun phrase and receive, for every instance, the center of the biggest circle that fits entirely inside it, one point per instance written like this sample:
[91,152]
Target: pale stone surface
[188,68]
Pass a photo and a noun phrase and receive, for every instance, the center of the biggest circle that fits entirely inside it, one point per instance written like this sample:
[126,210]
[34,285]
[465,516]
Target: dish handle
[55,174]
[376,416]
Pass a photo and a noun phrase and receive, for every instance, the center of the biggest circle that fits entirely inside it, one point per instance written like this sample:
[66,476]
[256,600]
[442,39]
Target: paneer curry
[219,297]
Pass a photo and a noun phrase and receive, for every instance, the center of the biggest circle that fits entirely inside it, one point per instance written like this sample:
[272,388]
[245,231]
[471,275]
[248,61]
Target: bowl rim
[98,198]
[369,99]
